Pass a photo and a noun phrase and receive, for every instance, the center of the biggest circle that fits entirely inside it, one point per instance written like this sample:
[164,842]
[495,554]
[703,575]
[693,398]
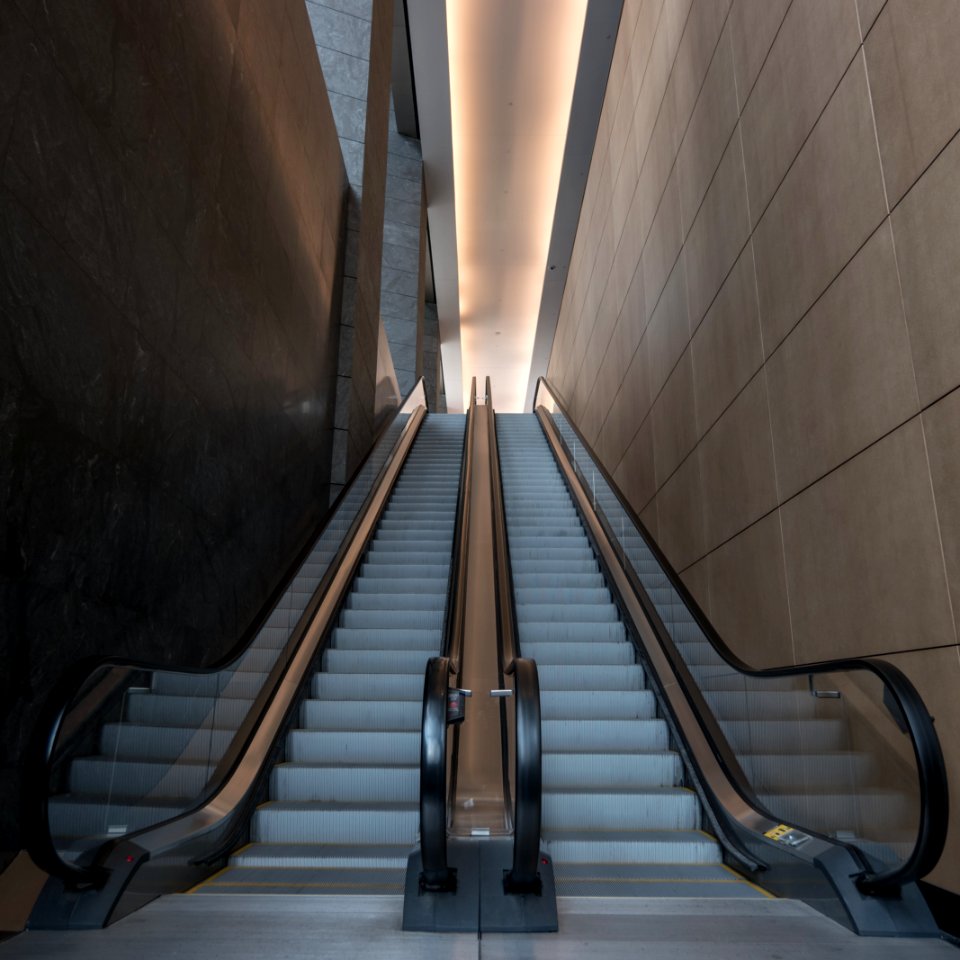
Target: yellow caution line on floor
[219,873]
[640,880]
[268,883]
[749,883]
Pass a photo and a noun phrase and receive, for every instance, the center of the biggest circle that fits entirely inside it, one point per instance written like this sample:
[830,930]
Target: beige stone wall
[760,333]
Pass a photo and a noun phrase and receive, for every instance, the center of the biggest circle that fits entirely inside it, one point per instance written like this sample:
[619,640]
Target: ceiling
[508,96]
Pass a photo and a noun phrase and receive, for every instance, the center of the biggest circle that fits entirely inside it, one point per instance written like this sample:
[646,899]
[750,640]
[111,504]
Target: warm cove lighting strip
[513,66]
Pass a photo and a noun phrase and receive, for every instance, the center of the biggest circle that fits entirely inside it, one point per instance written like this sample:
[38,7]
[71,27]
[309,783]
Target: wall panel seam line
[633,106]
[873,120]
[733,61]
[339,12]
[815,481]
[923,172]
[766,56]
[342,53]
[674,165]
[803,143]
[654,399]
[799,319]
[636,99]
[605,210]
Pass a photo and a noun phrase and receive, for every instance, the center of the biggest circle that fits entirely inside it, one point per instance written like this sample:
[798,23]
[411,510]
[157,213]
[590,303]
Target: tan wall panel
[694,56]
[680,515]
[634,475]
[718,234]
[926,228]
[853,347]
[828,204]
[912,54]
[804,66]
[674,419]
[864,564]
[736,460]
[708,132]
[748,595]
[727,349]
[669,329]
[941,425]
[753,27]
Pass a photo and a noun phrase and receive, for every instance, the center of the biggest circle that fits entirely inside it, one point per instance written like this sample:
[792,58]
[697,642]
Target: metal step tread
[325,806]
[306,855]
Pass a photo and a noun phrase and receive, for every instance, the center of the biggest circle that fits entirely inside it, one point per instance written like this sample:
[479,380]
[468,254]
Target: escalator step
[323,856]
[650,846]
[611,770]
[665,808]
[360,823]
[304,782]
[587,704]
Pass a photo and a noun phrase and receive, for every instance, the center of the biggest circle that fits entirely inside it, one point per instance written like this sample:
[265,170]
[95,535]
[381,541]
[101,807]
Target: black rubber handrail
[87,872]
[456,598]
[524,876]
[508,643]
[931,771]
[436,875]
[509,634]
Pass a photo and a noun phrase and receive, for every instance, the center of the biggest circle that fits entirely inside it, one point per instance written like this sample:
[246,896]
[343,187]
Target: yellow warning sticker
[789,836]
[777,832]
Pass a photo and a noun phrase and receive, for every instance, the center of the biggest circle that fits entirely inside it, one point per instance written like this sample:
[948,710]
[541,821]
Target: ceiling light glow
[513,66]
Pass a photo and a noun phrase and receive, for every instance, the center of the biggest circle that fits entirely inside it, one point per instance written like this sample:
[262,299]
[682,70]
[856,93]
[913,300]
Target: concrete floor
[238,927]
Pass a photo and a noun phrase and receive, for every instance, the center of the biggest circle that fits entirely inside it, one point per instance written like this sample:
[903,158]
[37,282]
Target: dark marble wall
[171,224]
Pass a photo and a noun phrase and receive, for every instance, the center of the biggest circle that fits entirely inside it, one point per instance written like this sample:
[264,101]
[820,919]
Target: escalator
[144,779]
[635,756]
[617,817]
[342,814]
[160,735]
[821,782]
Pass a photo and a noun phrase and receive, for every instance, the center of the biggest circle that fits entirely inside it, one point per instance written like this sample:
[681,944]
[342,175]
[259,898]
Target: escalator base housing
[480,903]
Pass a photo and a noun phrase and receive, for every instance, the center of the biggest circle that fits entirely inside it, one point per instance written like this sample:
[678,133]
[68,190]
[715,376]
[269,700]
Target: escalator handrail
[456,596]
[436,874]
[508,632]
[35,796]
[524,877]
[934,797]
[528,769]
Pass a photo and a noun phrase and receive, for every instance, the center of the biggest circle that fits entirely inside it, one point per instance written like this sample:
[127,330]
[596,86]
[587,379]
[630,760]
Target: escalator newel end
[445,882]
[518,886]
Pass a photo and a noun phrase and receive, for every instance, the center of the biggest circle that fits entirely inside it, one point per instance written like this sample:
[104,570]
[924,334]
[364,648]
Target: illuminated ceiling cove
[512,71]
[495,81]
